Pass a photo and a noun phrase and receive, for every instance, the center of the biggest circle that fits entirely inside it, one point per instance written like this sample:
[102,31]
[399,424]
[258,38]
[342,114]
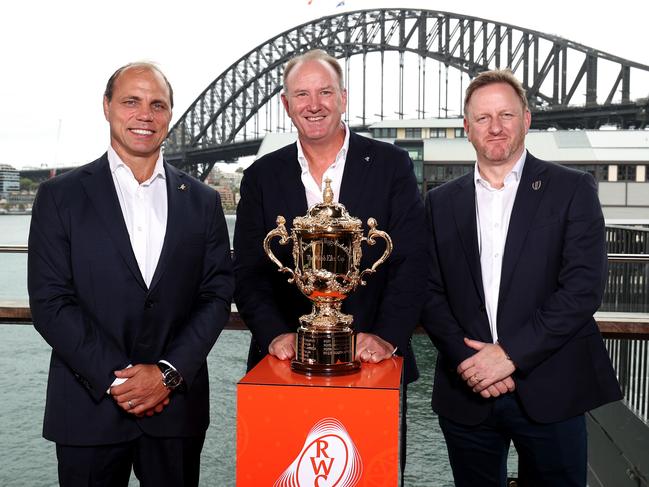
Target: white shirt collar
[115,162]
[341,156]
[516,172]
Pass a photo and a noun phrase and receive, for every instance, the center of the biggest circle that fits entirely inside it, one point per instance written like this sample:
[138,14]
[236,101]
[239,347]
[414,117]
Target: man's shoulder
[450,187]
[70,178]
[182,180]
[387,160]
[377,146]
[554,169]
[268,162]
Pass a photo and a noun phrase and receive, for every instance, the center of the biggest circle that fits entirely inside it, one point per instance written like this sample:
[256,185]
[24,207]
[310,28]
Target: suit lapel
[289,176]
[178,189]
[100,189]
[533,184]
[357,164]
[465,221]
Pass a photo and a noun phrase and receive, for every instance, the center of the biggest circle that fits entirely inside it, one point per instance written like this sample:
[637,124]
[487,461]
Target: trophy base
[325,352]
[320,369]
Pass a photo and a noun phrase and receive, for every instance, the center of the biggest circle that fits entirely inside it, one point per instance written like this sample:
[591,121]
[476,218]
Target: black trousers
[159,462]
[550,455]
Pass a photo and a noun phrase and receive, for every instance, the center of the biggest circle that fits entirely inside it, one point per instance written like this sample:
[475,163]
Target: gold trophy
[327,255]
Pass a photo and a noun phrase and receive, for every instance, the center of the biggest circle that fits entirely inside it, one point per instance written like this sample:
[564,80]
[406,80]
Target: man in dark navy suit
[130,282]
[518,266]
[372,179]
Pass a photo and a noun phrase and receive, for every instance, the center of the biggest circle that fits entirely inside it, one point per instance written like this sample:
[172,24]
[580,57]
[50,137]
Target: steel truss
[556,73]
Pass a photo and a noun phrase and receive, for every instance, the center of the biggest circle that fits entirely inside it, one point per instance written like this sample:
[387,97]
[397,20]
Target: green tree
[27,184]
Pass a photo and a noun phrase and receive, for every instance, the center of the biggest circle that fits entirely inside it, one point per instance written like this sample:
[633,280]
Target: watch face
[171,378]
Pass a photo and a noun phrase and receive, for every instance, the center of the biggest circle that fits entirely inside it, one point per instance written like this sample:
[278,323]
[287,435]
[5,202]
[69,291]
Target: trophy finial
[328,193]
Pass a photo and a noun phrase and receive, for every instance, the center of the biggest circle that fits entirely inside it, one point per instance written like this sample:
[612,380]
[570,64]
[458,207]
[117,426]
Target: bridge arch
[554,70]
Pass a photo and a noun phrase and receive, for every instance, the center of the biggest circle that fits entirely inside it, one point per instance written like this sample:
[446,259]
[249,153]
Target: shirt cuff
[118,380]
[165,362]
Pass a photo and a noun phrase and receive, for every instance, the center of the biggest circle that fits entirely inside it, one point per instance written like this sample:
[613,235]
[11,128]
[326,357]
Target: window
[626,172]
[416,154]
[438,174]
[437,133]
[385,133]
[419,170]
[598,171]
[413,133]
[459,133]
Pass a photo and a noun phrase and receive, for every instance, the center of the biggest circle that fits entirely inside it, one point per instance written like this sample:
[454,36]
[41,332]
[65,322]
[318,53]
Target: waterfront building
[231,178]
[228,199]
[214,177]
[617,159]
[20,201]
[9,180]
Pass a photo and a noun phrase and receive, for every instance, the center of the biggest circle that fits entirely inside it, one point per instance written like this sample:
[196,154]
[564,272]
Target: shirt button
[139,229]
[496,255]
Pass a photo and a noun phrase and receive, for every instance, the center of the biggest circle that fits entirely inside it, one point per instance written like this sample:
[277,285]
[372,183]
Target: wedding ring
[130,404]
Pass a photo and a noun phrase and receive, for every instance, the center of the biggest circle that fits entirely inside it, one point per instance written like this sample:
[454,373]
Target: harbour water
[29,460]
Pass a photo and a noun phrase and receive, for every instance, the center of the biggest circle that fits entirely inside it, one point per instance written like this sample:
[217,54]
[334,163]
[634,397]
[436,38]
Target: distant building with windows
[228,198]
[617,159]
[9,180]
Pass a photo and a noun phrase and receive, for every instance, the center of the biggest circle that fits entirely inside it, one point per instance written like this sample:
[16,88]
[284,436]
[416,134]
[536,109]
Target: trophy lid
[327,216]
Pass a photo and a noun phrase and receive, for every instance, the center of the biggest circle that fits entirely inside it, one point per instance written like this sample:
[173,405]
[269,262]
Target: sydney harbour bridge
[409,63]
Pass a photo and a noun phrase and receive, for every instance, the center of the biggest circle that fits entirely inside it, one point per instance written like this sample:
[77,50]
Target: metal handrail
[22,249]
[13,249]
[628,257]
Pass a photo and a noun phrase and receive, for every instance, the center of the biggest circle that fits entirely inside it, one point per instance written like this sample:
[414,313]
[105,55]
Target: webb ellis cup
[327,256]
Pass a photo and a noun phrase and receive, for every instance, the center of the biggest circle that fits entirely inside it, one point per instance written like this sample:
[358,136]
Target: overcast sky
[57,55]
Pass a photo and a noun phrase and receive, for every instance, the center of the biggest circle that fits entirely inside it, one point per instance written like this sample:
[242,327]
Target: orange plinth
[301,431]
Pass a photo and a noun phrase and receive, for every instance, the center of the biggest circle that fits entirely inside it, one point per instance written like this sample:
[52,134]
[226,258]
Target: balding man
[372,179]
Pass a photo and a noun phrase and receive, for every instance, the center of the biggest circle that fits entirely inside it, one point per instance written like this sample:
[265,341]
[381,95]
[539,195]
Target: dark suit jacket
[378,182]
[90,303]
[553,275]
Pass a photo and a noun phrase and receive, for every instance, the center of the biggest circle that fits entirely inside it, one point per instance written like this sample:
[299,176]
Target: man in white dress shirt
[130,282]
[518,266]
[372,179]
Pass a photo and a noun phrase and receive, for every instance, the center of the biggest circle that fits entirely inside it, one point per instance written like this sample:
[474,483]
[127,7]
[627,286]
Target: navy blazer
[553,274]
[378,181]
[91,304]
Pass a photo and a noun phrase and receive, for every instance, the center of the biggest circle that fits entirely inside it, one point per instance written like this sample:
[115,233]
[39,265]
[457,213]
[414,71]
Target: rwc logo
[328,458]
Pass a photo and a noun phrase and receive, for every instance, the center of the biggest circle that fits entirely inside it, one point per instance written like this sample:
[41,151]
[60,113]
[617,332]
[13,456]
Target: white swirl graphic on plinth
[329,458]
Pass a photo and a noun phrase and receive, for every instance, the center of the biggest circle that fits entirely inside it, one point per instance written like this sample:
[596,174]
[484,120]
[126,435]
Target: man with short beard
[517,270]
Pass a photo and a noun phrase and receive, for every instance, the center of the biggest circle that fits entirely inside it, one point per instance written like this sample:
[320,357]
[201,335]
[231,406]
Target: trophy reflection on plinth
[327,255]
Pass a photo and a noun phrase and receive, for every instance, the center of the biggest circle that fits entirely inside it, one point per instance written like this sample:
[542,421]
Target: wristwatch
[171,378]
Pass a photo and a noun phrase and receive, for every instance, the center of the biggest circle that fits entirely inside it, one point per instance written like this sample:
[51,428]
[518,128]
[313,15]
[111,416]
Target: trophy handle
[370,241]
[280,232]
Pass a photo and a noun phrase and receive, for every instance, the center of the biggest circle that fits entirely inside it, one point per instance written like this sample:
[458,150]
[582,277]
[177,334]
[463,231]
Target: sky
[57,55]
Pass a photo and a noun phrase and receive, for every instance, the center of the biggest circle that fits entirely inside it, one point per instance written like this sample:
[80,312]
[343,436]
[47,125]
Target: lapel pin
[182,187]
[367,158]
[536,185]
